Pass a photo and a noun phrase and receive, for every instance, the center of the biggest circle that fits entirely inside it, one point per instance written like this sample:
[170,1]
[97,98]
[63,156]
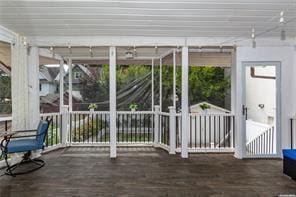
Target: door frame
[277,65]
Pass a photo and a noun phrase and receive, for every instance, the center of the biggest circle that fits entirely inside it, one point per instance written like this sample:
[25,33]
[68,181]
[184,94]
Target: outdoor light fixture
[156,50]
[25,41]
[91,52]
[135,51]
[129,55]
[70,49]
[253,38]
[51,51]
[282,24]
[221,49]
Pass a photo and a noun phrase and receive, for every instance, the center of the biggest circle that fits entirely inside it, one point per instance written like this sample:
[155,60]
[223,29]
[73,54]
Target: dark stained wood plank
[145,171]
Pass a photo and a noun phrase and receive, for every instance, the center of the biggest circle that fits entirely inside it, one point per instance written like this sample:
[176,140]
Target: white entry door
[261,109]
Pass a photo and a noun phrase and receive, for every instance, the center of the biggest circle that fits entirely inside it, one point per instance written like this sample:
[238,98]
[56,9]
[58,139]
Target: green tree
[5,94]
[134,86]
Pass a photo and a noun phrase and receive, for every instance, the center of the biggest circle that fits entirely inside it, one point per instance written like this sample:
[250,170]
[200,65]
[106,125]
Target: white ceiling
[188,18]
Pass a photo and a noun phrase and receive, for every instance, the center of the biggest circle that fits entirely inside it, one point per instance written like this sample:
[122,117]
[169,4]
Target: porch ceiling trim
[47,41]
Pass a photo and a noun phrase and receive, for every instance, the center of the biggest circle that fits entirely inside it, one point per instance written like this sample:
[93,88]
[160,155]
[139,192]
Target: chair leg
[26,159]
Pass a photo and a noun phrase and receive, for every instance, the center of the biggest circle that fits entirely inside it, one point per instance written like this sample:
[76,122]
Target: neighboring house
[47,80]
[213,109]
[49,83]
[79,72]
[51,102]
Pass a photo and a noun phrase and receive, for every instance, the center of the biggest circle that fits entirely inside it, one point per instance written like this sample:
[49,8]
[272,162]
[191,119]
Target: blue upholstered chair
[14,143]
[289,162]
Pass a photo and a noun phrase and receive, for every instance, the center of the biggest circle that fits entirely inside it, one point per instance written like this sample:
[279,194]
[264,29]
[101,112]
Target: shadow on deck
[145,171]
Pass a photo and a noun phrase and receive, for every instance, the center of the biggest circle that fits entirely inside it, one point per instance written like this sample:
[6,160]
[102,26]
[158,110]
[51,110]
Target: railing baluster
[195,127]
[210,131]
[200,142]
[190,126]
[214,131]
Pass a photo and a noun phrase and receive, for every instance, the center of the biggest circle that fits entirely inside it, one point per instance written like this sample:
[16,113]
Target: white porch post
[172,130]
[174,79]
[61,78]
[70,85]
[33,79]
[185,110]
[19,85]
[63,108]
[160,84]
[235,103]
[156,124]
[112,99]
[152,85]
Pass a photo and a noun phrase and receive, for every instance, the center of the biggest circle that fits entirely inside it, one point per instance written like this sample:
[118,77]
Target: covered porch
[162,132]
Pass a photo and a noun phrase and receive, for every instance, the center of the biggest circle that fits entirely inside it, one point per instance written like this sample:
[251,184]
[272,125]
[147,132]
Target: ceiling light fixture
[70,49]
[25,41]
[156,49]
[282,26]
[135,51]
[253,38]
[91,52]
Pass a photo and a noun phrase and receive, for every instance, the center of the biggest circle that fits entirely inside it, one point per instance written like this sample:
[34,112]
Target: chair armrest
[26,136]
[23,131]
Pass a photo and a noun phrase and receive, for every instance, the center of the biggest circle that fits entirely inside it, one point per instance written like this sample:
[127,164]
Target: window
[40,87]
[77,75]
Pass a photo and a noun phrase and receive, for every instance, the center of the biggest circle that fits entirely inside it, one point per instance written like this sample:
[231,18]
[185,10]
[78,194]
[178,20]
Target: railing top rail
[210,114]
[135,112]
[262,133]
[164,113]
[5,119]
[90,112]
[50,114]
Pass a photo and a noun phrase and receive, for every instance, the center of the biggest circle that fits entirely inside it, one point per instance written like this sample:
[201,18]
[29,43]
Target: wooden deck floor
[148,172]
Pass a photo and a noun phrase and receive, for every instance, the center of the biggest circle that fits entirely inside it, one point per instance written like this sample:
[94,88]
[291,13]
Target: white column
[174,79]
[33,79]
[64,110]
[112,99]
[236,84]
[156,124]
[19,85]
[70,85]
[172,130]
[61,75]
[160,84]
[185,109]
[64,128]
[152,85]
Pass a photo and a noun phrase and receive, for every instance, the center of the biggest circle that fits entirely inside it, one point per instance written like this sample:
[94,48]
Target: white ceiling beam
[106,41]
[48,54]
[106,58]
[7,35]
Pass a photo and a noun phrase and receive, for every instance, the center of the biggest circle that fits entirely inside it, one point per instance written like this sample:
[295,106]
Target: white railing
[89,127]
[209,132]
[54,134]
[5,123]
[134,127]
[263,144]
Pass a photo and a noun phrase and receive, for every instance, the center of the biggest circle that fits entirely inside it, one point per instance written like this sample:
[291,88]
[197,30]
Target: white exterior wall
[260,91]
[287,57]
